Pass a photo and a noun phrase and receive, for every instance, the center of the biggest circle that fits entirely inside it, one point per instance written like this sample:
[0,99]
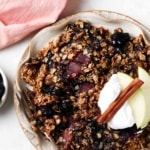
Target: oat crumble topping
[67,77]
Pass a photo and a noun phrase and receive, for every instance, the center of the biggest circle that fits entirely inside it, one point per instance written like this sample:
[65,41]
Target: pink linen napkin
[18,18]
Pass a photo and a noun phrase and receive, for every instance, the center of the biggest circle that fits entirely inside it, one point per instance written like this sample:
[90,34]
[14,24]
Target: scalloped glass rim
[107,19]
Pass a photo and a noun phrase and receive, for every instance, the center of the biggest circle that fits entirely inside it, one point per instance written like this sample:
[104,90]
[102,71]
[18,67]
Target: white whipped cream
[124,117]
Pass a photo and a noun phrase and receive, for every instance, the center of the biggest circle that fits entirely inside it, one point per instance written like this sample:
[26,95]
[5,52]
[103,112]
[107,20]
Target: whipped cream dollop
[111,90]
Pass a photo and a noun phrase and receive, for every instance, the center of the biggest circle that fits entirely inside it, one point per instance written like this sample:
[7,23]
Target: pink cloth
[18,18]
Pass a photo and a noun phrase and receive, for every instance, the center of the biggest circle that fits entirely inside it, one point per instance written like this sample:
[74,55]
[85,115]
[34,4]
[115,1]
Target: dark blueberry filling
[1,79]
[2,88]
[119,39]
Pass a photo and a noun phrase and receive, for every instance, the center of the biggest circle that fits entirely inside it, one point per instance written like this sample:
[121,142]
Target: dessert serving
[87,86]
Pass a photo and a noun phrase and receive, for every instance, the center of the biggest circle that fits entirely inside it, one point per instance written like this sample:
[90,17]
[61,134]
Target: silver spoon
[4,82]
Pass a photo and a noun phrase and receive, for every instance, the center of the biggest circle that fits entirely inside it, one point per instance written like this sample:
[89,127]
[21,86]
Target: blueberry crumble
[67,77]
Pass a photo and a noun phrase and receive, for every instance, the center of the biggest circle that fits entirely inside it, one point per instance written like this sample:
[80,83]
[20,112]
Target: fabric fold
[19,18]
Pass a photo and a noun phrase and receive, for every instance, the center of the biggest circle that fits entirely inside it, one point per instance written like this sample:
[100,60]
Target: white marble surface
[11,134]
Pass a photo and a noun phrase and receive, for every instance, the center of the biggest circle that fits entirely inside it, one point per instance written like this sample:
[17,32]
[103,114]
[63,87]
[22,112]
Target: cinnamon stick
[122,98]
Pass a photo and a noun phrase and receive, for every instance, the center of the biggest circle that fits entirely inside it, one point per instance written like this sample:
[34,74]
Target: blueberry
[54,91]
[49,62]
[46,89]
[46,111]
[49,55]
[87,25]
[119,39]
[2,90]
[59,92]
[1,79]
[95,43]
[96,145]
[39,122]
[66,107]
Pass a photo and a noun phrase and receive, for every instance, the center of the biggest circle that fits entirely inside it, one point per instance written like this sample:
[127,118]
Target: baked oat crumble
[67,77]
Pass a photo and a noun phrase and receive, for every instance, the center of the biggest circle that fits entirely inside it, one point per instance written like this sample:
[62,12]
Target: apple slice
[136,101]
[144,76]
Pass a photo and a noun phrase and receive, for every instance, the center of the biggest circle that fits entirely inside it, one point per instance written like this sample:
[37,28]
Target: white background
[11,134]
